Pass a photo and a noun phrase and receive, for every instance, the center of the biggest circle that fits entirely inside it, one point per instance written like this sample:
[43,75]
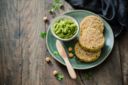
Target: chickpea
[70,49]
[48,59]
[45,19]
[55,72]
[71,55]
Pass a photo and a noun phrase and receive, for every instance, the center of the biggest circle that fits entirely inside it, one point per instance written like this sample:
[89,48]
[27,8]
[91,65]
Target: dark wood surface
[23,52]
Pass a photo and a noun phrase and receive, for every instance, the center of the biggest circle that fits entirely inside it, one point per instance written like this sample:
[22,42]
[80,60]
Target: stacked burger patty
[91,39]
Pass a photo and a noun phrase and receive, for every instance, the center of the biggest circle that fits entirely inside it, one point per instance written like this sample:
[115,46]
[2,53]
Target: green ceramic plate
[79,15]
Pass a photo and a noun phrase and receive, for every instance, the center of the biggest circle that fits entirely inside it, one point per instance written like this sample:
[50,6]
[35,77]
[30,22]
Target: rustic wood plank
[32,46]
[123,46]
[105,69]
[10,51]
[23,52]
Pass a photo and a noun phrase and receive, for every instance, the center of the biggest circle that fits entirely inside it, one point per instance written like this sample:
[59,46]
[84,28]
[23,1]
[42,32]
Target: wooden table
[23,52]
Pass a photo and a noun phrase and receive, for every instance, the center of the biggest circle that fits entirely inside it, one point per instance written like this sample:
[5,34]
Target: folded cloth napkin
[113,11]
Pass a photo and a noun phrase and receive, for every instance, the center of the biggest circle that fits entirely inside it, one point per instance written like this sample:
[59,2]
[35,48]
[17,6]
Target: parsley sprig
[43,34]
[55,5]
[59,76]
[55,53]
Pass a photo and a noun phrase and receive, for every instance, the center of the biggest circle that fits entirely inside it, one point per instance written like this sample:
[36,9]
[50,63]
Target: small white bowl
[63,17]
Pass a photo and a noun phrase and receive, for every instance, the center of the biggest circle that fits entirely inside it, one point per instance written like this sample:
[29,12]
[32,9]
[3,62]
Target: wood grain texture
[33,48]
[23,52]
[10,52]
[123,48]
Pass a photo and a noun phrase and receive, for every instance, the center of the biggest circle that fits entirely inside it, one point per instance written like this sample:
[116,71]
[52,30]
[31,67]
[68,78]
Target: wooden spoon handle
[70,69]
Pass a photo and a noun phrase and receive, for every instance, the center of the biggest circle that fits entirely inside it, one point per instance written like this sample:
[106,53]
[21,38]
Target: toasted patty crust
[84,55]
[91,39]
[91,21]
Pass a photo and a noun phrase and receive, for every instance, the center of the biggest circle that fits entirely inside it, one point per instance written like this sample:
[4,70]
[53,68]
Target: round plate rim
[101,61]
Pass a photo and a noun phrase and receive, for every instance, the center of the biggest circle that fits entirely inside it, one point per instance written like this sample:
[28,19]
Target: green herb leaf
[59,76]
[56,4]
[57,1]
[43,34]
[56,53]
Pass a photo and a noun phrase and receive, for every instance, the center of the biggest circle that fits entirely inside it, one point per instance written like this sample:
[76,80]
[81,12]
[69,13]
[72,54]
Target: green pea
[65,28]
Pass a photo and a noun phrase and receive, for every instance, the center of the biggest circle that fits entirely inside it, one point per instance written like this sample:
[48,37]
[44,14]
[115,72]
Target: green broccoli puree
[64,28]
